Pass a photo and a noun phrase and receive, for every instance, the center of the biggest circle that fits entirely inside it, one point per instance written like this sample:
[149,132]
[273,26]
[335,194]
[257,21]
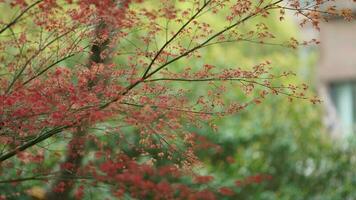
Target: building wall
[337,51]
[336,75]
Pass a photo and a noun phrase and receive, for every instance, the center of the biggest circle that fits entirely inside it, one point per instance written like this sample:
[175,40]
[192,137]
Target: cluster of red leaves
[148,182]
[56,101]
[256,179]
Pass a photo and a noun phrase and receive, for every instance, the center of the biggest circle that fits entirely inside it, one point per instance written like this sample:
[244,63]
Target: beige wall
[337,51]
[337,63]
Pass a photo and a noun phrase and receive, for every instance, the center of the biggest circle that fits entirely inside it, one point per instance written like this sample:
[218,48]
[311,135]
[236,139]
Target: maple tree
[93,73]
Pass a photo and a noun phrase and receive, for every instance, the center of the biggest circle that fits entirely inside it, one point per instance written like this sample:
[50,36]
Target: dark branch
[173,37]
[13,22]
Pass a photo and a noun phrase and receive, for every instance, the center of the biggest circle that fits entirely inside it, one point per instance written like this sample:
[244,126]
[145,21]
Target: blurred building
[336,72]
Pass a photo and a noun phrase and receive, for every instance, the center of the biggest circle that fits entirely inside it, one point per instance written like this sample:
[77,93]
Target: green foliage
[285,140]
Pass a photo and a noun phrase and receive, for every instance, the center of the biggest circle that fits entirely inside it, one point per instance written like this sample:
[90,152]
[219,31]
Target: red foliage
[203,179]
[226,191]
[255,179]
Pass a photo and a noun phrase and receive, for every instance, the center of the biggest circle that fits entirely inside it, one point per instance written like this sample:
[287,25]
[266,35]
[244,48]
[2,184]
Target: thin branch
[30,59]
[273,88]
[209,39]
[173,37]
[248,40]
[174,109]
[50,66]
[43,177]
[41,138]
[13,22]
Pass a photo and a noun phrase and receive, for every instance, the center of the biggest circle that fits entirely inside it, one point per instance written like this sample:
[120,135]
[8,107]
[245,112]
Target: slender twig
[31,58]
[43,177]
[174,109]
[209,39]
[241,80]
[41,138]
[13,22]
[50,66]
[173,37]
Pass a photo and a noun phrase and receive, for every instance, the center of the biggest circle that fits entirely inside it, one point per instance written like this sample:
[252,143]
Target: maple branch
[308,9]
[177,150]
[211,38]
[173,37]
[13,22]
[273,88]
[39,139]
[199,80]
[36,177]
[174,109]
[250,41]
[42,177]
[48,67]
[69,55]
[31,58]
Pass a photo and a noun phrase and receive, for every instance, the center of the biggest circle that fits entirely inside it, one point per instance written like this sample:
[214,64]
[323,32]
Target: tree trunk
[64,183]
